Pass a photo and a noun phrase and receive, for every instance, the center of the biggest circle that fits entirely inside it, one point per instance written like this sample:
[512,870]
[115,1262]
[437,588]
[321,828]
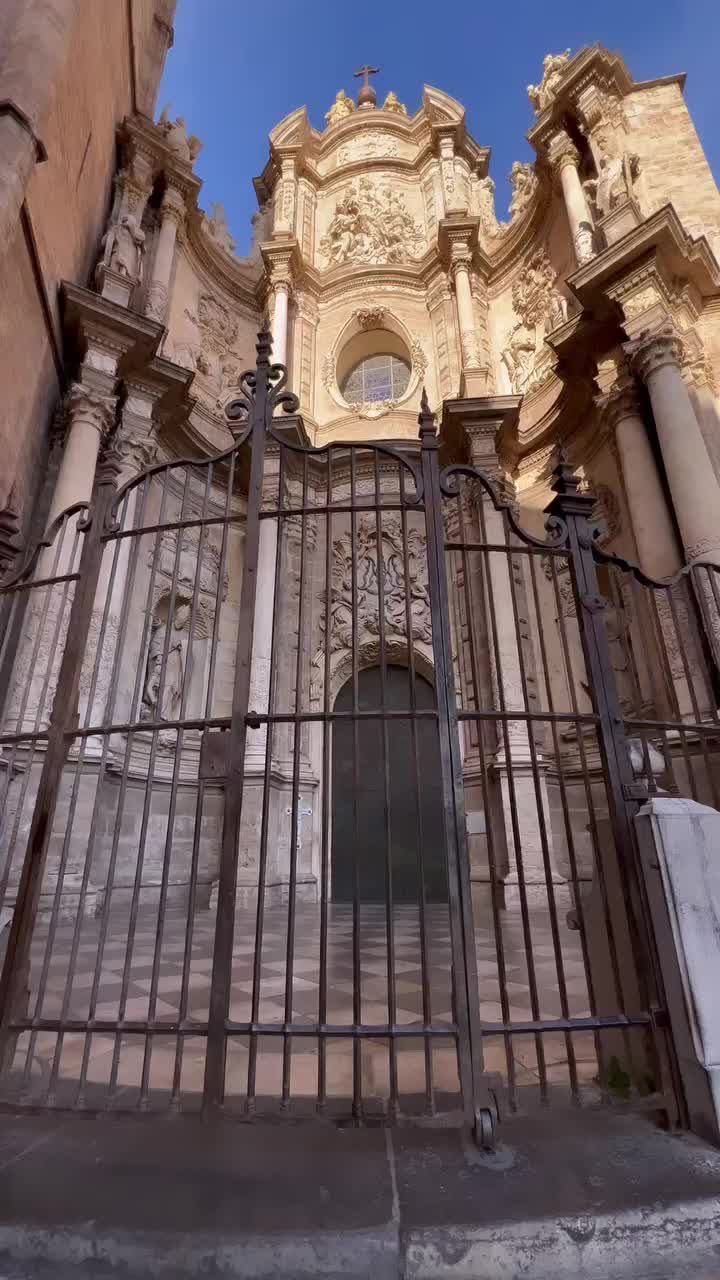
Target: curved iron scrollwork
[657,584]
[32,556]
[450,488]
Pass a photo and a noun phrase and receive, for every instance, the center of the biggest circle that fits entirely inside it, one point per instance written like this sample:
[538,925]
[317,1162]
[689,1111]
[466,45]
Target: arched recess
[387,810]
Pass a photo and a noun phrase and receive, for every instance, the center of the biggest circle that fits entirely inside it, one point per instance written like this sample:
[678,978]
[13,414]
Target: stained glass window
[381,377]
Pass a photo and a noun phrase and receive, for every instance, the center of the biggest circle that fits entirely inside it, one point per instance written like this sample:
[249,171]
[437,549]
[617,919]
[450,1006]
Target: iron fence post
[259,407]
[479,1105]
[624,797]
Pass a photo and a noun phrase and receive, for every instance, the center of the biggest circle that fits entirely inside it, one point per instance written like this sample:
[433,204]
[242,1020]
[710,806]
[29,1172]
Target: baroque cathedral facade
[587,319]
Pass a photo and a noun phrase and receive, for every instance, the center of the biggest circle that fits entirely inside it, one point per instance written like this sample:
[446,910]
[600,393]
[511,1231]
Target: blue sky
[239,66]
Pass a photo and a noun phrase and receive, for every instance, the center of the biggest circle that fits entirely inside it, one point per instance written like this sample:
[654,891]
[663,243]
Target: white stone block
[680,846]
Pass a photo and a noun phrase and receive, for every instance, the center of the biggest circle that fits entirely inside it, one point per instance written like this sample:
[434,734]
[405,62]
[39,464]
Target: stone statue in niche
[175,136]
[540,308]
[554,68]
[342,107]
[153,708]
[123,248]
[372,227]
[617,171]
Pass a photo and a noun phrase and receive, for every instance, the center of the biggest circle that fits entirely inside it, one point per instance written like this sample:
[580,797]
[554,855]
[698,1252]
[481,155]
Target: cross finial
[367,96]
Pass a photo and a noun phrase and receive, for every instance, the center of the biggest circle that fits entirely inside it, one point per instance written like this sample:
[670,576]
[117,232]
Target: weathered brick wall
[67,199]
[673,164]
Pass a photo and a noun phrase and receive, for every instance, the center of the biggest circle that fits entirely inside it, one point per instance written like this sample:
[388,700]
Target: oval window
[380,377]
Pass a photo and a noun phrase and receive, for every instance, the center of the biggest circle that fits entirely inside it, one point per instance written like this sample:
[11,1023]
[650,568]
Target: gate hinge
[635,790]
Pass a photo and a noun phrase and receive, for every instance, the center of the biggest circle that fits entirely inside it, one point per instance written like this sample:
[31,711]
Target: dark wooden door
[412,838]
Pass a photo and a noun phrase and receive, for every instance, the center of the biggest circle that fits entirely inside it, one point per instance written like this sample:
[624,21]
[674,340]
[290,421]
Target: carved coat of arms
[402,598]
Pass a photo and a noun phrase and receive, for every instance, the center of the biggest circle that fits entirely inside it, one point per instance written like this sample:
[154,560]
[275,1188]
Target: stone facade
[588,318]
[62,102]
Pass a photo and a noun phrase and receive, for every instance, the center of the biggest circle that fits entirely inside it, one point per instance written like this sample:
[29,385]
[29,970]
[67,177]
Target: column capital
[91,408]
[654,349]
[173,207]
[620,401]
[562,152]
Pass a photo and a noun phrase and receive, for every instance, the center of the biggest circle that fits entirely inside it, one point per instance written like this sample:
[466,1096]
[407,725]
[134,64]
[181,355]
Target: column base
[536,893]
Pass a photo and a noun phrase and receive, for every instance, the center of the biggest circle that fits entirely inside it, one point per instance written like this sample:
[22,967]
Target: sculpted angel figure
[342,106]
[554,67]
[524,182]
[176,137]
[518,355]
[392,103]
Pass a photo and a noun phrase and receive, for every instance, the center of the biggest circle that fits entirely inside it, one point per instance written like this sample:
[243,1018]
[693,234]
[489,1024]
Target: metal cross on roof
[366,71]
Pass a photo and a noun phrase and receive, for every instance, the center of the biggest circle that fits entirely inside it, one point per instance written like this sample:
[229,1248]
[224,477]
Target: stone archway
[359,828]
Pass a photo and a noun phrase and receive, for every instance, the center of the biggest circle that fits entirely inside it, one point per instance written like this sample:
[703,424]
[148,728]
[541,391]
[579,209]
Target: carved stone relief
[540,308]
[368,146]
[369,563]
[372,225]
[213,359]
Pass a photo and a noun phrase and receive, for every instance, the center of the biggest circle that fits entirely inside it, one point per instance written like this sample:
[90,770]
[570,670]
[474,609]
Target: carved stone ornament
[523,180]
[393,103]
[554,68]
[370,317]
[175,136]
[617,172]
[91,408]
[218,230]
[372,226]
[368,146]
[541,308]
[369,563]
[342,107]
[489,225]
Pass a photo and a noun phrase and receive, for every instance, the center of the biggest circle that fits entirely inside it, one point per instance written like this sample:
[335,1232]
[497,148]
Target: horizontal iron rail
[30,583]
[346,1030]
[508,548]
[341,507]
[187,522]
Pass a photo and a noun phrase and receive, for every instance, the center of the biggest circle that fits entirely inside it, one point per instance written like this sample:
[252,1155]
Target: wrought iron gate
[172,660]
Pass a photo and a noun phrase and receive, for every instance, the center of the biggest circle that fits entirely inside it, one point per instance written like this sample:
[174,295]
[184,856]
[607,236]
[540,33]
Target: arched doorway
[359,829]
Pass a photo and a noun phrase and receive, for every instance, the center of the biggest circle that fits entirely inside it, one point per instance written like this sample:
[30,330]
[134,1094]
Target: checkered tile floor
[125,987]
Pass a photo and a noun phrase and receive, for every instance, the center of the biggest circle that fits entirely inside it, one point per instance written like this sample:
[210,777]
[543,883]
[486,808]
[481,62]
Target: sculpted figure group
[372,228]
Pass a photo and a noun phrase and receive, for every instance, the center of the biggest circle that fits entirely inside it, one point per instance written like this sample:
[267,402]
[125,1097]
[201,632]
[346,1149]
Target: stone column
[655,537]
[172,216]
[91,416]
[280,322]
[514,761]
[474,374]
[565,160]
[264,614]
[657,359]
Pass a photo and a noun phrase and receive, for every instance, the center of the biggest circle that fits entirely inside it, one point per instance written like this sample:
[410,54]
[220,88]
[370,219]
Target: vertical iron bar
[467,1001]
[235,778]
